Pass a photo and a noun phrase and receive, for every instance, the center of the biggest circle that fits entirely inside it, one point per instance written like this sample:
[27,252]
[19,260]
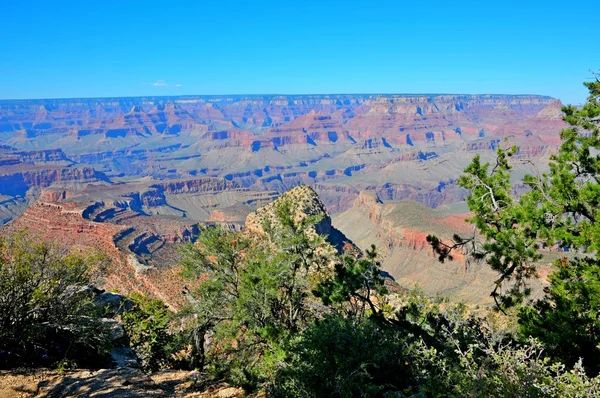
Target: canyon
[400,229]
[135,177]
[402,146]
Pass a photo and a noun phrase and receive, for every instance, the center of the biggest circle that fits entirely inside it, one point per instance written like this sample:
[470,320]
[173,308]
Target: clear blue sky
[172,47]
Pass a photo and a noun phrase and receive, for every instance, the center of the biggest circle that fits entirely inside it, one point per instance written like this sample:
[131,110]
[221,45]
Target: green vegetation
[346,356]
[279,314]
[46,313]
[560,211]
[256,297]
[349,335]
[147,325]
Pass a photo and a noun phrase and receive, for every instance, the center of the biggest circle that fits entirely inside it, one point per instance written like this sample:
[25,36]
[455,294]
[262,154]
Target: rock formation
[304,203]
[401,146]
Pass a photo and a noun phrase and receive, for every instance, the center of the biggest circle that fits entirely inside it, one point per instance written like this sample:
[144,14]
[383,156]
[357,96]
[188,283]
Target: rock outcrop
[304,202]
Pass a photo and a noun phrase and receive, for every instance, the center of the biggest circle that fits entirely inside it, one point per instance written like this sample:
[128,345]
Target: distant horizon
[278,95]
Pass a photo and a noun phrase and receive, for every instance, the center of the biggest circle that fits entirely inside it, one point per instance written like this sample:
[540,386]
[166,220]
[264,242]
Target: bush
[566,320]
[256,293]
[506,370]
[46,311]
[147,325]
[346,357]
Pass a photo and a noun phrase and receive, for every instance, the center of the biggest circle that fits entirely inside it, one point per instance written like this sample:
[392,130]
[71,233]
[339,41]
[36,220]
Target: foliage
[486,369]
[358,283]
[358,288]
[46,312]
[473,356]
[255,294]
[569,197]
[147,326]
[567,319]
[220,255]
[560,211]
[346,357]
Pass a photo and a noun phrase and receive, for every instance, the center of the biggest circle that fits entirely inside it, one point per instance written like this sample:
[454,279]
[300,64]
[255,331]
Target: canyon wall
[401,146]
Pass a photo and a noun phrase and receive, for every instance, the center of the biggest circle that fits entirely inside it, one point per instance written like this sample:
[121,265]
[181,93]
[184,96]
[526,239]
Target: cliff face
[160,114]
[65,225]
[18,179]
[21,171]
[59,221]
[141,249]
[399,230]
[272,143]
[44,156]
[196,185]
[136,225]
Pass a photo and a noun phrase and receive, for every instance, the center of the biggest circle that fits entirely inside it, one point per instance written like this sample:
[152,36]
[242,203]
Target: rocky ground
[111,383]
[125,379]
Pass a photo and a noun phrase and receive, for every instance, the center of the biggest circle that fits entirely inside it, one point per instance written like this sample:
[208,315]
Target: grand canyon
[136,176]
[299,199]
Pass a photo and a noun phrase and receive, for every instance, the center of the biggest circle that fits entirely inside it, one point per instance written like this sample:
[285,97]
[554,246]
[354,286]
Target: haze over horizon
[279,94]
[80,50]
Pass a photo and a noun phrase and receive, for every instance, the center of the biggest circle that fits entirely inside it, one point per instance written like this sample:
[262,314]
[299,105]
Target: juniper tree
[560,210]
[255,292]
[47,316]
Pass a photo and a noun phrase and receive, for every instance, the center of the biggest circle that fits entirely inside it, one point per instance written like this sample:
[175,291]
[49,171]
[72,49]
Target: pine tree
[561,210]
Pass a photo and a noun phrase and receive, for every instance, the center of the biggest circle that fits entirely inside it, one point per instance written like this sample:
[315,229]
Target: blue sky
[130,48]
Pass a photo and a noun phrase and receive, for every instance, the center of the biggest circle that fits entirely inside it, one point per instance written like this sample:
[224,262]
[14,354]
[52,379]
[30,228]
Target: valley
[135,177]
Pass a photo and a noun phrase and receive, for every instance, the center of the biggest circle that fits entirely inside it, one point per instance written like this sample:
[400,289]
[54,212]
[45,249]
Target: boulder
[114,303]
[124,357]
[118,334]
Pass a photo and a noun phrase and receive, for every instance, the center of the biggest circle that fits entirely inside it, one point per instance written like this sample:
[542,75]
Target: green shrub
[347,357]
[46,311]
[255,295]
[147,326]
[505,370]
[566,320]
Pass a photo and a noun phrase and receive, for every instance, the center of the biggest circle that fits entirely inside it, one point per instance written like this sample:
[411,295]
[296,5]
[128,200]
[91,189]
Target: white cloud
[162,83]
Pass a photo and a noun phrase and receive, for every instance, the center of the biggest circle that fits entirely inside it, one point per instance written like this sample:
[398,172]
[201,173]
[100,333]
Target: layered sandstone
[276,142]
